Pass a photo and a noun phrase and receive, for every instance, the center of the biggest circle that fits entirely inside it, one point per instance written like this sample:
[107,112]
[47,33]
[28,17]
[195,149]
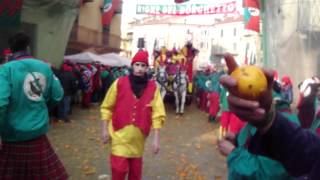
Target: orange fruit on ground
[251,82]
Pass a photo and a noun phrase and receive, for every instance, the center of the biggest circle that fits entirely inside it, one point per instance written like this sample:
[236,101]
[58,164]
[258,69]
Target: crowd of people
[211,97]
[84,84]
[262,139]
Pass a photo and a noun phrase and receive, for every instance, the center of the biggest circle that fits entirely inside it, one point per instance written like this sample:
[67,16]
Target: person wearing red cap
[87,79]
[286,89]
[6,54]
[132,107]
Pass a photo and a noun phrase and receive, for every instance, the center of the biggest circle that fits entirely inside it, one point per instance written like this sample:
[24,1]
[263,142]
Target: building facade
[291,38]
[231,36]
[48,23]
[171,32]
[88,33]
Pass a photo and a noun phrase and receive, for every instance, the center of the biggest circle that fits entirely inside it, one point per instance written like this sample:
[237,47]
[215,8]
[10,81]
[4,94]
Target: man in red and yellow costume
[190,53]
[161,58]
[132,107]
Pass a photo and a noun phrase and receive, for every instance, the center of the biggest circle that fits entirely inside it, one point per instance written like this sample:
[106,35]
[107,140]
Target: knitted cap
[140,56]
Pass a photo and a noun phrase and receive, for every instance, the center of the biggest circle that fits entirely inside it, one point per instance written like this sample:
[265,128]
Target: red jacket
[130,110]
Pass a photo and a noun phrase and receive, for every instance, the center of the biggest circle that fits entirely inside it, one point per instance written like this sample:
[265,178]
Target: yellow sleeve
[109,102]
[158,111]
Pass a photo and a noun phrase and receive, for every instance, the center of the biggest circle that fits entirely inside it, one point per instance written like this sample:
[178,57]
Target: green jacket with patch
[28,86]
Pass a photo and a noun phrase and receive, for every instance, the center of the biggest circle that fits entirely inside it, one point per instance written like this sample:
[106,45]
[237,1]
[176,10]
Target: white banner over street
[187,9]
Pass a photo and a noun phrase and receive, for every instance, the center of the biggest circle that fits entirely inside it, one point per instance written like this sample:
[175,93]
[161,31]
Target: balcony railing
[94,38]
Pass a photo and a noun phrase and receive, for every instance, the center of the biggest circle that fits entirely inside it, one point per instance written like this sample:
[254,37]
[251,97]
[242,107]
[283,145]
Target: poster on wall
[10,13]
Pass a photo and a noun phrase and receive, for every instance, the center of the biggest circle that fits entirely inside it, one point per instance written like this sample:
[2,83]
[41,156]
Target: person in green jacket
[214,95]
[244,165]
[116,73]
[28,87]
[203,89]
[308,104]
[229,122]
[198,85]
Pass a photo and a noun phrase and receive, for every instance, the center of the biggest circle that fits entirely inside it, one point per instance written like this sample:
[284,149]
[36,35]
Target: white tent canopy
[84,57]
[109,59]
[115,60]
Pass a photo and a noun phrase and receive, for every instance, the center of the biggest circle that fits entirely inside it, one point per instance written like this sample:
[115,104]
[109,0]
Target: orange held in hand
[251,82]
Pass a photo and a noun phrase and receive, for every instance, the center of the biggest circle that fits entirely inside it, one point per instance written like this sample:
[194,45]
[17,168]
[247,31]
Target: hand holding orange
[250,93]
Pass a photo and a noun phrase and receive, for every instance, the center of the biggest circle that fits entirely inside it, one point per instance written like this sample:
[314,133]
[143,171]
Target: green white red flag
[252,15]
[109,8]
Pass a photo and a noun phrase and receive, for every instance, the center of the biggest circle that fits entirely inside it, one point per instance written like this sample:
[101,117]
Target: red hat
[6,52]
[286,80]
[66,67]
[140,56]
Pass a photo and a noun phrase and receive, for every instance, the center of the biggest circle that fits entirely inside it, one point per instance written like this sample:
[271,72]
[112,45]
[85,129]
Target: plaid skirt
[30,160]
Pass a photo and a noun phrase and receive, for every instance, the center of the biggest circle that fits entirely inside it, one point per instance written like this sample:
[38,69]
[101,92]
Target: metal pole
[264,34]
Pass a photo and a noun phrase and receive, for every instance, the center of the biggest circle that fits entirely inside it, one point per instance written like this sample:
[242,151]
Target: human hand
[105,136]
[231,137]
[253,111]
[156,144]
[225,146]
